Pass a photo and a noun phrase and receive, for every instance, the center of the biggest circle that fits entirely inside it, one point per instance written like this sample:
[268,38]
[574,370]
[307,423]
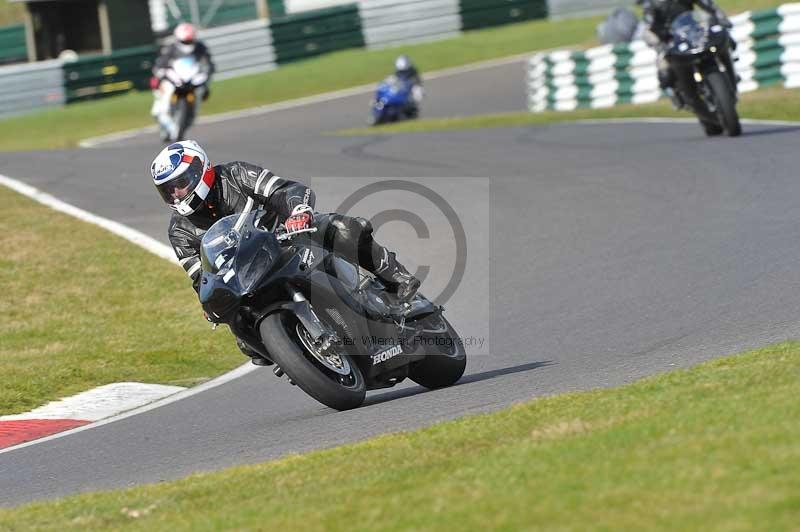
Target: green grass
[710,448]
[65,127]
[82,307]
[766,104]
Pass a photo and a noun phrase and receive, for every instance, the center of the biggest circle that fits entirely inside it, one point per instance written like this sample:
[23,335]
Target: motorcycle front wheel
[725,100]
[446,360]
[330,377]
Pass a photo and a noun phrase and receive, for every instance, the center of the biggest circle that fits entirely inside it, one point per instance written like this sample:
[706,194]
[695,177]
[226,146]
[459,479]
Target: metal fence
[241,49]
[97,76]
[389,22]
[24,88]
[581,8]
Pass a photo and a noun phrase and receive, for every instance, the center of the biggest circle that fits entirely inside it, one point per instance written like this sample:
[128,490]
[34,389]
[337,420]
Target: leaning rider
[405,70]
[658,16]
[200,194]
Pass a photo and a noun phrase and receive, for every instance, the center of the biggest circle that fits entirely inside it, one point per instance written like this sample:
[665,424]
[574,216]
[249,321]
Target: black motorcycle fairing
[248,275]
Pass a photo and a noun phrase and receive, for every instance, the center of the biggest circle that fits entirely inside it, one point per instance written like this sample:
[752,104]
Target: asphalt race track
[614,252]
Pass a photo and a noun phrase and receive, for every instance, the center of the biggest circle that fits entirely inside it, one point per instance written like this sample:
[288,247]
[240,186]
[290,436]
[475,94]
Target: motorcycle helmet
[183,176]
[403,66]
[185,36]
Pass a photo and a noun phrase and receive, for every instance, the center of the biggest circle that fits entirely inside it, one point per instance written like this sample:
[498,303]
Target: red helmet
[185,33]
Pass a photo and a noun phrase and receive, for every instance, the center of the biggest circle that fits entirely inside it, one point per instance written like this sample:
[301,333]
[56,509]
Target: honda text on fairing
[330,326]
[188,75]
[393,101]
[700,54]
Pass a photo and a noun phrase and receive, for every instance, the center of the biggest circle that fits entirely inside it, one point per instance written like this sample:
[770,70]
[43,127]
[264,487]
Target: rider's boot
[395,275]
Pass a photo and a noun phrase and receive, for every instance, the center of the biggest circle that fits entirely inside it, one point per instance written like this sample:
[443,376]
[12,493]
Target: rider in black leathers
[286,201]
[658,15]
[185,44]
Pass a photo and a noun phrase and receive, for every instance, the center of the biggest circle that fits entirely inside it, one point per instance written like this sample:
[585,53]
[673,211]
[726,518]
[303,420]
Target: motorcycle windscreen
[186,68]
[258,253]
[218,247]
[687,30]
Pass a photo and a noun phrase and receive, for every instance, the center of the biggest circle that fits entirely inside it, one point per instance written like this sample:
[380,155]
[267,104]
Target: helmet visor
[179,188]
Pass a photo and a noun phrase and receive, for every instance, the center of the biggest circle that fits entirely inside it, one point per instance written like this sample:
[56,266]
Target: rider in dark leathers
[185,44]
[658,15]
[287,202]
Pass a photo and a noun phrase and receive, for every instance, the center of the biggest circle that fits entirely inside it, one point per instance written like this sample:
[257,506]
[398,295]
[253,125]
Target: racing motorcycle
[701,53]
[393,101]
[327,324]
[187,75]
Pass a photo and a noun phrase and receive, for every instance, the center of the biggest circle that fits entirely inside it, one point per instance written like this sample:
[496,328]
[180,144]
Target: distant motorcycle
[702,51]
[329,325]
[188,76]
[393,101]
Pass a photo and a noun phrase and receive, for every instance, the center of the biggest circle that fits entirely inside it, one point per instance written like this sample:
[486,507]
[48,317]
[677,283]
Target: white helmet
[183,175]
[185,37]
[402,63]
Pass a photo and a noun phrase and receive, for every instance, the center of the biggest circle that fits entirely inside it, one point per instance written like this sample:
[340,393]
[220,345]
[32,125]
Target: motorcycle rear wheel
[280,335]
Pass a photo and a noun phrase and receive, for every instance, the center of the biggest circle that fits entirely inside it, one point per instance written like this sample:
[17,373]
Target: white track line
[149,244]
[301,102]
[132,235]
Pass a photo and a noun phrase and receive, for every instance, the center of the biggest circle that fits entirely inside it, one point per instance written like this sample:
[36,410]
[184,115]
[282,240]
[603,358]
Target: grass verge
[82,307]
[711,448]
[65,127]
[767,104]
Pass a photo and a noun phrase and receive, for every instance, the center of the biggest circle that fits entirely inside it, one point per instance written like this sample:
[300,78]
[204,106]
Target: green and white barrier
[768,51]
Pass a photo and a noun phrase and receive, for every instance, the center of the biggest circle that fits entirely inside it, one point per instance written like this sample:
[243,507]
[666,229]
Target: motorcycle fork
[319,332]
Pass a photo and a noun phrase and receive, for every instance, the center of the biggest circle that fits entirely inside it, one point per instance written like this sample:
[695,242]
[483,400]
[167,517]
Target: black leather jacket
[659,15]
[234,183]
[171,52]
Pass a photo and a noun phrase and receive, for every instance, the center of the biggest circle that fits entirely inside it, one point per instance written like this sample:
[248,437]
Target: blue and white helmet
[183,175]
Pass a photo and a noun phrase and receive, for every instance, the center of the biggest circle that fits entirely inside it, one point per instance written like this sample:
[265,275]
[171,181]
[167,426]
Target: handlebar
[286,236]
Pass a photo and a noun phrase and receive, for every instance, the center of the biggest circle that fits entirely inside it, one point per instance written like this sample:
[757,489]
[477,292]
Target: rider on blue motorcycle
[405,71]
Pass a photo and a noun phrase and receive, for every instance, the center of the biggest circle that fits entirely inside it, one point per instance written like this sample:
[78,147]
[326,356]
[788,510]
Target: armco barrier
[768,51]
[13,48]
[103,75]
[580,8]
[389,22]
[28,87]
[241,49]
[316,32]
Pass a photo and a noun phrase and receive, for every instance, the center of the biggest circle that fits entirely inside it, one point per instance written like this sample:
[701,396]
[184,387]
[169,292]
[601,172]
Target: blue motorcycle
[393,102]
